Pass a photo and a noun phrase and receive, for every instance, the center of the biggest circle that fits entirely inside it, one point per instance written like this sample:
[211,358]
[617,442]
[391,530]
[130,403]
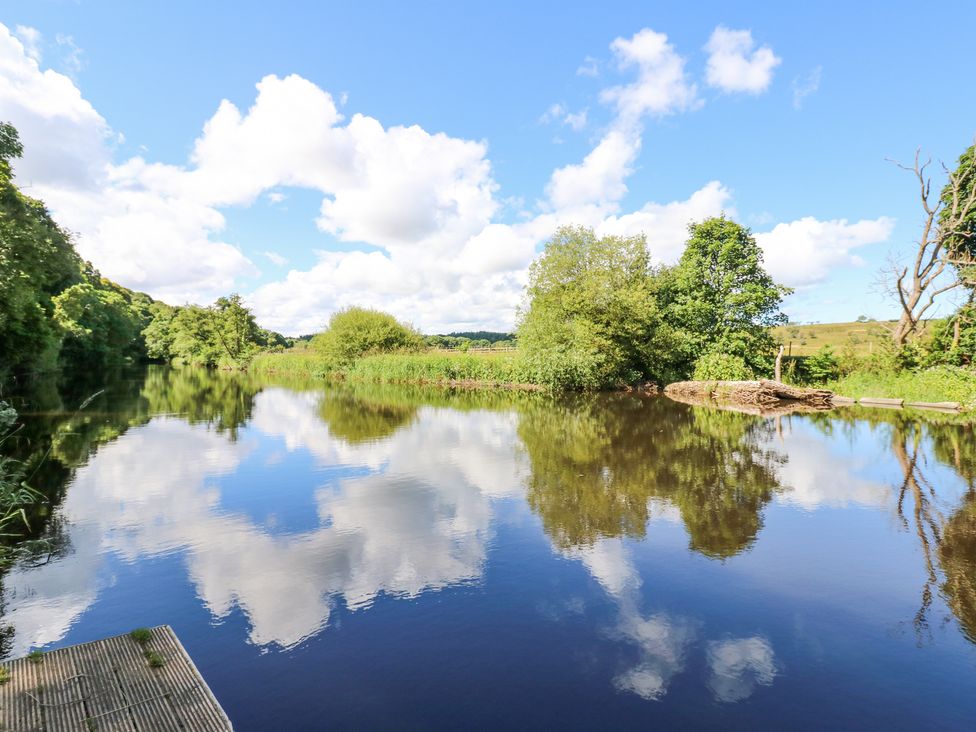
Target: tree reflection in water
[598,462]
[944,525]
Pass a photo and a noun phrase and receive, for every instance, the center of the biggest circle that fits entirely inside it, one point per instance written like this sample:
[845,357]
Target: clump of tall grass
[304,362]
[436,368]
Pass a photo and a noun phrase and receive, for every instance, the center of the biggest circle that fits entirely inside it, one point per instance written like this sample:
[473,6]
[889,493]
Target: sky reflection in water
[664,562]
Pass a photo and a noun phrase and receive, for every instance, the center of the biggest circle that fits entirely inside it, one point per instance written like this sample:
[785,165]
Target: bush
[822,366]
[356,332]
[721,367]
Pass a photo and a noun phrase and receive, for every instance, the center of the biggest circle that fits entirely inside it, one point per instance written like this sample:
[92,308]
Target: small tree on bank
[720,299]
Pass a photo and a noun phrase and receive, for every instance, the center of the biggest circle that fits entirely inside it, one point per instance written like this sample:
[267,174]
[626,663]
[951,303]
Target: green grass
[154,659]
[4,675]
[938,384]
[35,656]
[437,368]
[142,636]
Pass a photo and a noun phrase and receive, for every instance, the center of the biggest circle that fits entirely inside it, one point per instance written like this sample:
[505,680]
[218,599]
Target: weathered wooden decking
[109,685]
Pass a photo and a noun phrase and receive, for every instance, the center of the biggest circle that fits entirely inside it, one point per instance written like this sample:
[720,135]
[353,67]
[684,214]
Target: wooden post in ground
[779,364]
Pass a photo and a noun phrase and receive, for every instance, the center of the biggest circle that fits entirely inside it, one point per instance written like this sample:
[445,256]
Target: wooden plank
[103,697]
[941,406]
[108,685]
[880,402]
[62,705]
[18,710]
[143,690]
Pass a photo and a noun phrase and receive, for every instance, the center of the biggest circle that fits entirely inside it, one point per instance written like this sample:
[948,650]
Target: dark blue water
[390,558]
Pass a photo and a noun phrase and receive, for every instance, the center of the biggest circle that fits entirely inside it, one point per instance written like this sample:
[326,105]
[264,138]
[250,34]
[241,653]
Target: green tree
[100,327]
[356,332]
[235,330]
[37,261]
[719,298]
[591,314]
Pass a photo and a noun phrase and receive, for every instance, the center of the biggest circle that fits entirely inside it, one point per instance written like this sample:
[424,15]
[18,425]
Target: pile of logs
[763,393]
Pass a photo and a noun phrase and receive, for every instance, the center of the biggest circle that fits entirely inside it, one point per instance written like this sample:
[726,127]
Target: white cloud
[589,67]
[276,259]
[662,86]
[599,179]
[805,86]
[70,54]
[576,121]
[735,65]
[31,38]
[666,225]
[803,252]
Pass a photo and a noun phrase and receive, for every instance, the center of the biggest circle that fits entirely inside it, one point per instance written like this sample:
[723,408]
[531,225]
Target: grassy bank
[937,384]
[480,369]
[509,369]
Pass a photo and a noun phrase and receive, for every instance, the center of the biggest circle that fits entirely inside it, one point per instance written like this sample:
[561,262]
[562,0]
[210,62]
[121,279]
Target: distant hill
[804,340]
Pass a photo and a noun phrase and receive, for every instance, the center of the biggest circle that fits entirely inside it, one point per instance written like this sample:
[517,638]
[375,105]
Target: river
[384,557]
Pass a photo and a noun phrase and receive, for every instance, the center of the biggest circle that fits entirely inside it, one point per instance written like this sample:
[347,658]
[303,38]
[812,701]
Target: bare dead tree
[942,248]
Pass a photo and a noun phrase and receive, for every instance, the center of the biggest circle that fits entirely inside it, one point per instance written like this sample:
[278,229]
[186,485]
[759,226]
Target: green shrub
[821,366]
[721,367]
[356,332]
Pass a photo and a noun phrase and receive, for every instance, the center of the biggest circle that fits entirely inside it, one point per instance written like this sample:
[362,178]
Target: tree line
[57,310]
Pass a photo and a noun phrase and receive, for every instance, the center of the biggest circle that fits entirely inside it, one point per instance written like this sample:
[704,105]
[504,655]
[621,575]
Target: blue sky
[791,113]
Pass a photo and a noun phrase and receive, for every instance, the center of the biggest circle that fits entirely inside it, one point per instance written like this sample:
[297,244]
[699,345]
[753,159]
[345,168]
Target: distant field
[803,340]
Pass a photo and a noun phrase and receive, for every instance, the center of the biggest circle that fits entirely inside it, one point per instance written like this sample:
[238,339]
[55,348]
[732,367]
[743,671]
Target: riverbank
[937,384]
[509,370]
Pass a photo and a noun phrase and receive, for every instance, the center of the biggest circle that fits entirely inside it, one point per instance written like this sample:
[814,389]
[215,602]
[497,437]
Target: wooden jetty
[120,683]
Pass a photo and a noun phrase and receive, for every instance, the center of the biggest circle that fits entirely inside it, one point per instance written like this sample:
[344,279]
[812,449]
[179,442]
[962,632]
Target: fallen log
[763,393]
[758,410]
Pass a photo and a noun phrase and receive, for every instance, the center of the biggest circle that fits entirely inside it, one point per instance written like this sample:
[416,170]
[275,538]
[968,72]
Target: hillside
[803,340]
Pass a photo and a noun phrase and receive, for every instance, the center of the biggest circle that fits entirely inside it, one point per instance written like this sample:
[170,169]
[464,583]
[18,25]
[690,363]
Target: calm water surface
[379,557]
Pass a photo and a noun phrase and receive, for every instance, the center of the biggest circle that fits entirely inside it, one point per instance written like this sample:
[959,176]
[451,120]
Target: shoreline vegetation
[598,313]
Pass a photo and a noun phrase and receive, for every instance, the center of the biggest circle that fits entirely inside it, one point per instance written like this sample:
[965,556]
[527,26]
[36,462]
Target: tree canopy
[591,314]
[719,298]
[37,262]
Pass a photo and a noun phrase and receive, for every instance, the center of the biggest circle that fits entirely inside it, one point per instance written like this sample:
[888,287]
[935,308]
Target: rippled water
[379,557]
